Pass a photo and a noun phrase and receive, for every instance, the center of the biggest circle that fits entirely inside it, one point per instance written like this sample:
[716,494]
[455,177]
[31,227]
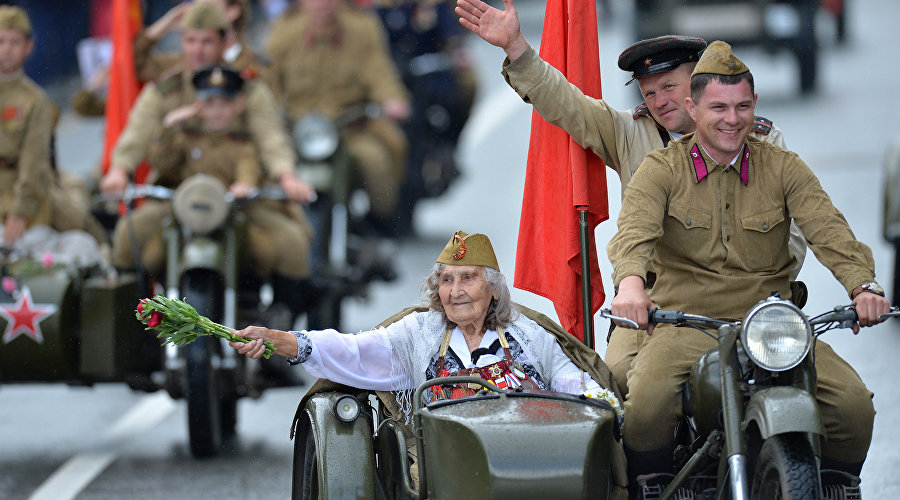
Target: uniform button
[765,227]
[728,238]
[727,206]
[688,221]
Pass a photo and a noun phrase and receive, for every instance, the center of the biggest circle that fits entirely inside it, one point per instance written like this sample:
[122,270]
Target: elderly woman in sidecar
[471,327]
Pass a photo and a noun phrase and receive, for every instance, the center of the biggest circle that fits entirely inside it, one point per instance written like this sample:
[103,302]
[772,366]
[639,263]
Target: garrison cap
[217,80]
[718,59]
[656,55]
[15,18]
[469,250]
[204,16]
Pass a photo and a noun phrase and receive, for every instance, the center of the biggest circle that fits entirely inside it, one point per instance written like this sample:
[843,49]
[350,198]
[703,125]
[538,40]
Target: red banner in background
[123,82]
[562,176]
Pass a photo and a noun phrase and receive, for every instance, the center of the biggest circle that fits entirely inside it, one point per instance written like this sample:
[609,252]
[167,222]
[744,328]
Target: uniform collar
[333,36]
[699,160]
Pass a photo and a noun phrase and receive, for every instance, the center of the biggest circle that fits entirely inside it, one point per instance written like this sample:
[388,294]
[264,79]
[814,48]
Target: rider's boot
[840,480]
[648,463]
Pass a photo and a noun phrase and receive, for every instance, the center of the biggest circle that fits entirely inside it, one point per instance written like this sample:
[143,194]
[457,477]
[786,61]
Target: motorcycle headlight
[776,335]
[316,138]
[346,408]
[199,204]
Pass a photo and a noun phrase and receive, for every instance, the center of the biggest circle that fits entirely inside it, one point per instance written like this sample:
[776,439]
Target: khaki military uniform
[230,157]
[261,121]
[330,73]
[622,139]
[717,236]
[28,186]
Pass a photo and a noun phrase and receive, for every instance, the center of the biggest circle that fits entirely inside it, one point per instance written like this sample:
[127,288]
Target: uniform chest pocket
[690,217]
[763,222]
[764,240]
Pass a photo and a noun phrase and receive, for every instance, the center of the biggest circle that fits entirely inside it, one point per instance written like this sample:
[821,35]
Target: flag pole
[583,230]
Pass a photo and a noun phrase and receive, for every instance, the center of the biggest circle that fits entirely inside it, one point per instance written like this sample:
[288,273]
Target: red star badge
[647,62]
[25,317]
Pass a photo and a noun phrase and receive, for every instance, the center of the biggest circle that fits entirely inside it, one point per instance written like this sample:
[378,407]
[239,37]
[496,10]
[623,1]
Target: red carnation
[140,307]
[155,319]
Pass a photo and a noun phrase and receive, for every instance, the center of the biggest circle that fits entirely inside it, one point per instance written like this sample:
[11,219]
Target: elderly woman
[470,323]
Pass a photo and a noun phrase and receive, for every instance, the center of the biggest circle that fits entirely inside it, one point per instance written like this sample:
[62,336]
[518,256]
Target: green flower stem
[181,324]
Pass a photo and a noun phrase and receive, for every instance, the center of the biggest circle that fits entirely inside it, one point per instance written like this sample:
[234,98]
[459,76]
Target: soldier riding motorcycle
[752,428]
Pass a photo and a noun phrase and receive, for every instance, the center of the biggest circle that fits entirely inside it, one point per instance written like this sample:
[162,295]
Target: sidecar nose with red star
[61,322]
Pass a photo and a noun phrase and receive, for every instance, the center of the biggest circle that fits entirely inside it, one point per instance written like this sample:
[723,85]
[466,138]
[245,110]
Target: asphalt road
[108,442]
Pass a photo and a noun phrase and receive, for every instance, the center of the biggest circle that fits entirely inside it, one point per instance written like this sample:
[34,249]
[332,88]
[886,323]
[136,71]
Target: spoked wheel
[205,395]
[786,469]
[306,468]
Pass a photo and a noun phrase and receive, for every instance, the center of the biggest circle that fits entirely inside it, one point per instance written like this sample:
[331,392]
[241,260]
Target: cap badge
[217,78]
[647,62]
[462,247]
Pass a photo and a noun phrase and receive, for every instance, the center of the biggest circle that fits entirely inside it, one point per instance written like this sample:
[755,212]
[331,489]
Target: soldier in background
[327,57]
[203,42]
[206,138]
[238,53]
[29,193]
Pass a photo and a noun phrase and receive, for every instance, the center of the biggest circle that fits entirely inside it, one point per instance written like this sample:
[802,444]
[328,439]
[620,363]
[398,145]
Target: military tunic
[622,139]
[28,184]
[276,243]
[261,121]
[717,236]
[329,74]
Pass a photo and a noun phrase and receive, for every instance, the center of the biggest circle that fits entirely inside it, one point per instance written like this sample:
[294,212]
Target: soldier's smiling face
[724,116]
[664,94]
[14,49]
[201,47]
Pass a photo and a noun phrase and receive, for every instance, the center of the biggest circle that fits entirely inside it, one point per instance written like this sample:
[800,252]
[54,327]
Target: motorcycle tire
[306,468]
[204,402]
[786,469]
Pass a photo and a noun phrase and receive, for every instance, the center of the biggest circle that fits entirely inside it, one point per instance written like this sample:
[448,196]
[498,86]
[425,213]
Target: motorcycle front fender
[777,410]
[203,253]
[344,451]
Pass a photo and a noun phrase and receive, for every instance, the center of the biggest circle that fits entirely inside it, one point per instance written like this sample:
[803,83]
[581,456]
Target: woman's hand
[285,343]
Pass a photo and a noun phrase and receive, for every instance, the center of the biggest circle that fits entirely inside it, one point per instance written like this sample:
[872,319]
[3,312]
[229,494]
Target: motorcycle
[341,253]
[752,426]
[203,255]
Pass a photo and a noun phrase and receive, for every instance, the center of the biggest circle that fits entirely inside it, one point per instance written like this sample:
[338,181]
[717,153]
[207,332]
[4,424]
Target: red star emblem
[647,62]
[25,317]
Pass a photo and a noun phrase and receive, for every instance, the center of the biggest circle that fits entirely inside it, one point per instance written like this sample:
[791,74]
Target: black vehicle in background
[775,25]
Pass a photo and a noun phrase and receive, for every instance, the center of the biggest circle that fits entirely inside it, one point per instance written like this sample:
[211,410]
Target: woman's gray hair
[500,313]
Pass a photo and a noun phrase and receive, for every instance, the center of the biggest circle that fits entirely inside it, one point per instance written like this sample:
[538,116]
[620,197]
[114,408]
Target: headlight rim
[772,302]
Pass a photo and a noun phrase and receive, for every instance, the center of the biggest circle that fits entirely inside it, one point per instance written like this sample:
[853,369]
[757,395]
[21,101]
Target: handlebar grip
[671,317]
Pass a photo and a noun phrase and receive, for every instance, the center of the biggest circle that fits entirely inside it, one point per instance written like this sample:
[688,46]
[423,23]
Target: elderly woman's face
[465,294]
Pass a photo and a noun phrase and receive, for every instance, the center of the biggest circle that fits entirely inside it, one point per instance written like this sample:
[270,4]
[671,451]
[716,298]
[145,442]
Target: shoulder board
[641,110]
[169,83]
[762,125]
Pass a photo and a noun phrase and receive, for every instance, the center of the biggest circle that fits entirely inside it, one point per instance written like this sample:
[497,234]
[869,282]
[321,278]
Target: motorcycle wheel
[786,469]
[306,468]
[204,402]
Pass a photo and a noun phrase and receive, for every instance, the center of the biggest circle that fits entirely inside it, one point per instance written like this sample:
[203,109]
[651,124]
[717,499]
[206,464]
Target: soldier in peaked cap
[711,213]
[661,66]
[203,30]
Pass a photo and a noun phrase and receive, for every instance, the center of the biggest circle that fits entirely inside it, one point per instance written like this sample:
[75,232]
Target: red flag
[123,81]
[561,176]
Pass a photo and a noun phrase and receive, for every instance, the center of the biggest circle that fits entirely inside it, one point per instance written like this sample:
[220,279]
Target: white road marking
[78,472]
